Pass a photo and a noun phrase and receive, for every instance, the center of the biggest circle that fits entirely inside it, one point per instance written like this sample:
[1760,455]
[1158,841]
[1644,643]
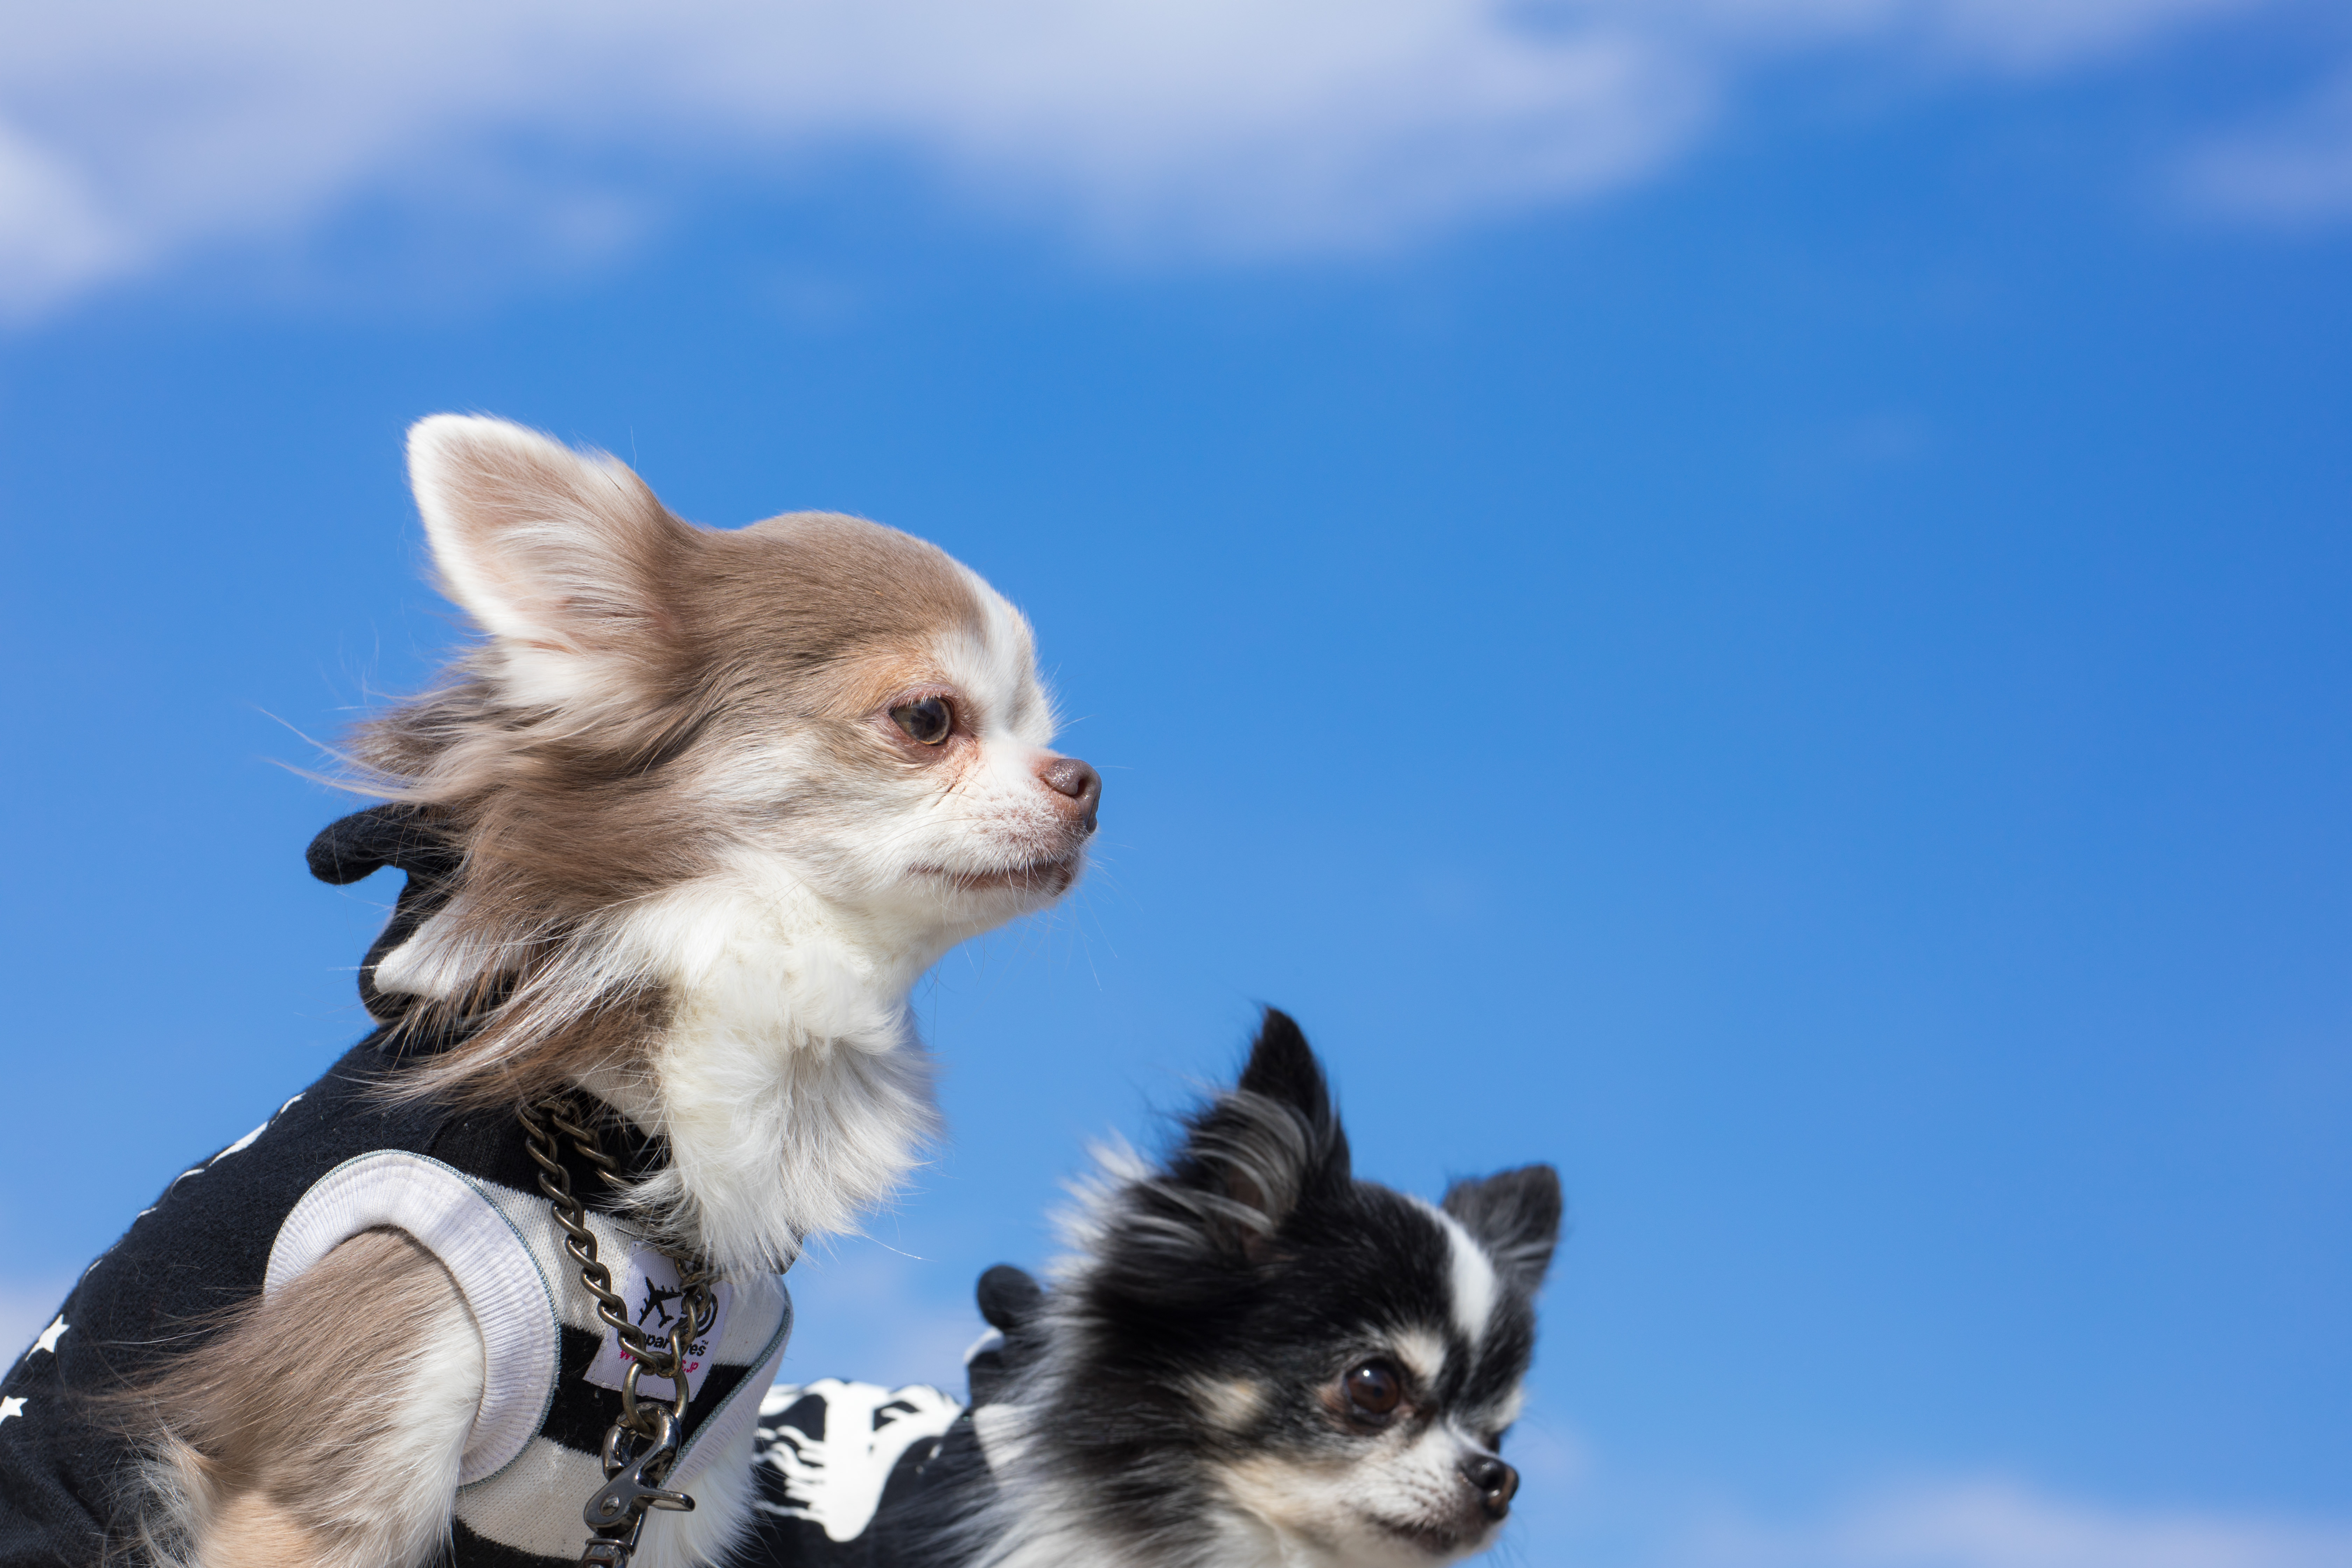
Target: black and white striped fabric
[519,1502]
[337,1159]
[852,1475]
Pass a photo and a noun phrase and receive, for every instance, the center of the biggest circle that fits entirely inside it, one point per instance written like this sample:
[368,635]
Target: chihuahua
[1248,1358]
[681,831]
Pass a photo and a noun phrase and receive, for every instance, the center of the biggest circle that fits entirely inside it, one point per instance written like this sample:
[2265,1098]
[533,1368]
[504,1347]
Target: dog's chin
[1036,882]
[1424,1543]
[1371,1542]
[1328,1515]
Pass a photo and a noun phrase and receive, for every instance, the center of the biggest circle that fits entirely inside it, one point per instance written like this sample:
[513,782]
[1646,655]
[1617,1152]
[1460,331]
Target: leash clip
[616,1514]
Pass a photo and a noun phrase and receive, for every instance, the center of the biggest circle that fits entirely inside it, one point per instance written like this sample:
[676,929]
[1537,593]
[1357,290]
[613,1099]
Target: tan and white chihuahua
[707,804]
[725,795]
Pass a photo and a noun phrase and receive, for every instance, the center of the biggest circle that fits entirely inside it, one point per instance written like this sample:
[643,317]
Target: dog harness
[340,1158]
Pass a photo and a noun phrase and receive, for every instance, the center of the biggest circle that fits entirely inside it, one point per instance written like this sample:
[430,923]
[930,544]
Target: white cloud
[2033,34]
[132,131]
[2299,169]
[53,242]
[1997,1525]
[2007,36]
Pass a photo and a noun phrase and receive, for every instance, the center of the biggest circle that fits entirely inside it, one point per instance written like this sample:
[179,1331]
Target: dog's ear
[1270,1145]
[1009,1298]
[1516,1217]
[561,556]
[1282,1067]
[1014,1305]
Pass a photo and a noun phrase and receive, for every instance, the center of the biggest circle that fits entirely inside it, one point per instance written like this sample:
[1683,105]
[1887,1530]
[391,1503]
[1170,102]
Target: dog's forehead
[1411,1277]
[821,584]
[844,612]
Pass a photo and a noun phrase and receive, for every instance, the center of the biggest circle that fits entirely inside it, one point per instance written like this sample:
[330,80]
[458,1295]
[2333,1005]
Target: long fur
[1177,1398]
[685,846]
[696,855]
[307,1425]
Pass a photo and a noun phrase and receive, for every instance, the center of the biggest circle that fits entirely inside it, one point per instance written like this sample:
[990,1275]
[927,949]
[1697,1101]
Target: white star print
[11,1407]
[51,1335]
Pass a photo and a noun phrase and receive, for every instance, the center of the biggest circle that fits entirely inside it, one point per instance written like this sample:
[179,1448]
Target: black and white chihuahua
[1248,1358]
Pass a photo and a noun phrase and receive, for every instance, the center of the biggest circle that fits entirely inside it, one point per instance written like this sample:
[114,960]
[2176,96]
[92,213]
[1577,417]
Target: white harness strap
[520,1488]
[452,1216]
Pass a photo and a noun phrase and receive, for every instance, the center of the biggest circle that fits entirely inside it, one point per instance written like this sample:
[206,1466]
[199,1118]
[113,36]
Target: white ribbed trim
[760,1311]
[452,1217]
[533,1219]
[727,1427]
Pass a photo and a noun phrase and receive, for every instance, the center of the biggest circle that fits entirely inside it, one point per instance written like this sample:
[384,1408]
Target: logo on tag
[655,1298]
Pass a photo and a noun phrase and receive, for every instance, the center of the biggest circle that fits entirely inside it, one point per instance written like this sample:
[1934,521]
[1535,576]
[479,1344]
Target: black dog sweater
[337,1159]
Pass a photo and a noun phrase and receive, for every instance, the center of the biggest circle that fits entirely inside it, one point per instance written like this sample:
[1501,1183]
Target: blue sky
[1745,596]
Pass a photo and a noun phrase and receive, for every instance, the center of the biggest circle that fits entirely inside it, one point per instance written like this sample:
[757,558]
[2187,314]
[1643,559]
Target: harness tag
[649,1284]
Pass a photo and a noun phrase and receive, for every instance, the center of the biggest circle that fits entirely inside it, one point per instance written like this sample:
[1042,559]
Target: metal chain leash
[641,1445]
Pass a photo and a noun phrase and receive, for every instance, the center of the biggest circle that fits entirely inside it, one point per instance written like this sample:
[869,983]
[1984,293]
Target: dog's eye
[926,723]
[1373,1390]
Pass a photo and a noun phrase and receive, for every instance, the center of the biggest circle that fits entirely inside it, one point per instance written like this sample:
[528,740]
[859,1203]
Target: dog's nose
[1493,1480]
[1071,778]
